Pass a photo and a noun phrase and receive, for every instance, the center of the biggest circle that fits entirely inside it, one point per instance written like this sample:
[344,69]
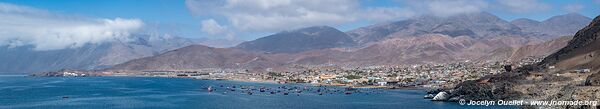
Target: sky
[77,22]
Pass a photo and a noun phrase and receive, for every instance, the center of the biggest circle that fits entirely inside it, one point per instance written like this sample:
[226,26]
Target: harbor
[148,92]
[417,76]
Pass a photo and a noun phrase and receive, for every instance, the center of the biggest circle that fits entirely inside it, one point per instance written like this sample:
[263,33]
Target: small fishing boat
[350,88]
[262,89]
[348,93]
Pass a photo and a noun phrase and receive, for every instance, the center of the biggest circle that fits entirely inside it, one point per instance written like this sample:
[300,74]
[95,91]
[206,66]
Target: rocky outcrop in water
[442,96]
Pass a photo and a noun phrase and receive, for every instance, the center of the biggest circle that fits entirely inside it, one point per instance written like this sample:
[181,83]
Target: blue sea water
[18,92]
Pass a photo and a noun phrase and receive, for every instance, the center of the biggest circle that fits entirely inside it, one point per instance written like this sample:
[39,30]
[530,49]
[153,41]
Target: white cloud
[524,6]
[278,15]
[447,7]
[212,27]
[573,7]
[379,14]
[21,25]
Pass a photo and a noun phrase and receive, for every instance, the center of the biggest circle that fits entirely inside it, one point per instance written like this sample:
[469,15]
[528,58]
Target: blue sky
[247,20]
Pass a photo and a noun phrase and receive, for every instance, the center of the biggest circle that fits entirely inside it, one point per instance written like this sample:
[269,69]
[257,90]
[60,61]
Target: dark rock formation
[492,87]
[593,80]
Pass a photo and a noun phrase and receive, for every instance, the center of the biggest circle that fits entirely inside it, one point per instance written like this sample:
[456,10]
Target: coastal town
[428,76]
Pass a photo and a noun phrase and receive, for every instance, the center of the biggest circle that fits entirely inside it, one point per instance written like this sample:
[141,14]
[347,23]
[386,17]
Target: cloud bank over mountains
[523,6]
[278,15]
[44,30]
[445,8]
[240,16]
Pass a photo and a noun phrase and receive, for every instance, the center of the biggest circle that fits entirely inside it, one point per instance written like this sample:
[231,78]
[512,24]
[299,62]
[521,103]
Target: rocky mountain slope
[581,51]
[198,57]
[574,76]
[526,24]
[310,38]
[431,48]
[532,50]
[475,25]
[561,25]
[24,59]
[427,39]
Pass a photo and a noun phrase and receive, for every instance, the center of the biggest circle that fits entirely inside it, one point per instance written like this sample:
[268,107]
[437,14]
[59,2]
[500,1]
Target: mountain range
[311,38]
[425,39]
[560,25]
[419,40]
[475,25]
[24,59]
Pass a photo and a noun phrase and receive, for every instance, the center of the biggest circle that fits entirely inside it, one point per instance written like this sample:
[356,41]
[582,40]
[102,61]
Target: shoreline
[253,81]
[12,75]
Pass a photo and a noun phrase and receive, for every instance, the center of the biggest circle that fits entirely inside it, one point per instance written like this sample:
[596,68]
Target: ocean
[23,92]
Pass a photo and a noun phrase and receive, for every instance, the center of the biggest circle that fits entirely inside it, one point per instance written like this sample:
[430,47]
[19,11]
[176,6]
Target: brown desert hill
[563,24]
[560,25]
[526,24]
[429,48]
[581,52]
[304,39]
[198,57]
[542,49]
[530,50]
[427,39]
[476,25]
[392,51]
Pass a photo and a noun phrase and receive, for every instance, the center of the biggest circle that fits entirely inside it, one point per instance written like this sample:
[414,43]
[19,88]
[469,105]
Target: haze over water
[138,92]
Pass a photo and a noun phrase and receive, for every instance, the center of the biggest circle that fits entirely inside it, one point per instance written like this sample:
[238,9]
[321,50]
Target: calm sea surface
[139,92]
